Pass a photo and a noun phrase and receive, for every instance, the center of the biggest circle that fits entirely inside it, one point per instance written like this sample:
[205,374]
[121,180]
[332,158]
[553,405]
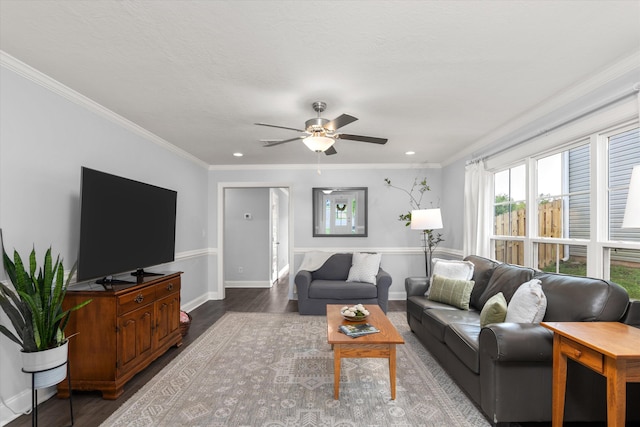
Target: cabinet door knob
[139,298]
[170,287]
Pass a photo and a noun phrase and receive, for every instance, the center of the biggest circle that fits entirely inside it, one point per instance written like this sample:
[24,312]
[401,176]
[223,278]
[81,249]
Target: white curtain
[477,209]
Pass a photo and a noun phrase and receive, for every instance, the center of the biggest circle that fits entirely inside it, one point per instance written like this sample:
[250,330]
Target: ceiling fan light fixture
[318,143]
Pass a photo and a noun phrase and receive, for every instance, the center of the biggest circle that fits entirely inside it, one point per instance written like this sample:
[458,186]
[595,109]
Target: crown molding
[350,166]
[625,65]
[30,73]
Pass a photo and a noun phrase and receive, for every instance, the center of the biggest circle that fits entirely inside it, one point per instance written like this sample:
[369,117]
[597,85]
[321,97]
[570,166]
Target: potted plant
[35,311]
[430,239]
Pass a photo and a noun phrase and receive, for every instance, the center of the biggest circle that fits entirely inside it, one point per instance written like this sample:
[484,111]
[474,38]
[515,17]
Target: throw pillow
[528,303]
[451,291]
[494,311]
[364,267]
[451,269]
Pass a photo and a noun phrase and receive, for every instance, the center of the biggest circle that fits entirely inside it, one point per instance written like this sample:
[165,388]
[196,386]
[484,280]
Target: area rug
[276,369]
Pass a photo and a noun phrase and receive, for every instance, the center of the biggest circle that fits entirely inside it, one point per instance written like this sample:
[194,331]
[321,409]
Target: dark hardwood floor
[89,409]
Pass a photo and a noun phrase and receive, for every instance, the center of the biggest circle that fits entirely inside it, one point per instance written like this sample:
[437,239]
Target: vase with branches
[430,239]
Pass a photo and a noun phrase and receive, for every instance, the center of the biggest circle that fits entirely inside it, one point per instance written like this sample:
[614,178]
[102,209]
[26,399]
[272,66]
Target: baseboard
[397,296]
[22,400]
[247,284]
[195,303]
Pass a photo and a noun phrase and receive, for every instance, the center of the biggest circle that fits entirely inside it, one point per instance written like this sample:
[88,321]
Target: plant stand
[34,393]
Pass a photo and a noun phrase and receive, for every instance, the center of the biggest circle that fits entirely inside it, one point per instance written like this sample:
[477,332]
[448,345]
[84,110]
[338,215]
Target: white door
[339,213]
[275,235]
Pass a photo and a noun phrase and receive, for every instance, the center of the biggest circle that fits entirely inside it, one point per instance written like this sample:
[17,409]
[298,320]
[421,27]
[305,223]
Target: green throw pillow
[494,310]
[451,291]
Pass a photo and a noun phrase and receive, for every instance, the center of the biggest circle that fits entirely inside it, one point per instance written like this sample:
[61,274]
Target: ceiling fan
[320,134]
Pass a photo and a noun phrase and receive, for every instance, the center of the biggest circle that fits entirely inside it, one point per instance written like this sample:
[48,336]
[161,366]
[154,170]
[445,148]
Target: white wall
[247,241]
[453,206]
[44,140]
[400,246]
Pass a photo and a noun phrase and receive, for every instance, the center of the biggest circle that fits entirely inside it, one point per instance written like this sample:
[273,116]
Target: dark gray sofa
[506,368]
[328,285]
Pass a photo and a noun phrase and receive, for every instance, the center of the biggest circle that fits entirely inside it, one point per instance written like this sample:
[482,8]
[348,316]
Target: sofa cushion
[494,311]
[528,303]
[451,291]
[464,341]
[336,289]
[482,271]
[364,267]
[437,320]
[418,303]
[335,268]
[452,269]
[506,278]
[582,299]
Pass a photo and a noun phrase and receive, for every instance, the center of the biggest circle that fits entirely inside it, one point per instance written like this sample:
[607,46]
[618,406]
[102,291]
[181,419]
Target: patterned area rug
[265,369]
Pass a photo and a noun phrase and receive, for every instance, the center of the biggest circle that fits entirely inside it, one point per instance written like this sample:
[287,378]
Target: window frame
[598,246]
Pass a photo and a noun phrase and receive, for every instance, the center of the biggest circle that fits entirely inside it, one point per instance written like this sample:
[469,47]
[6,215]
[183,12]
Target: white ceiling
[431,76]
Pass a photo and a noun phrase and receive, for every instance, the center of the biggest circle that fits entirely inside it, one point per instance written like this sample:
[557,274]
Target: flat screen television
[124,225]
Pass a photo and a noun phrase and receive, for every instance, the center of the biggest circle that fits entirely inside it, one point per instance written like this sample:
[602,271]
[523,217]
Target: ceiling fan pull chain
[318,154]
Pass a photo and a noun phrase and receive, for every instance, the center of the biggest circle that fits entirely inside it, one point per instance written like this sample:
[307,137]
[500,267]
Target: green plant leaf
[35,308]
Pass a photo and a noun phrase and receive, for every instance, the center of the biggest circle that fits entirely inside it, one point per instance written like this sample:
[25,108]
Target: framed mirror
[340,212]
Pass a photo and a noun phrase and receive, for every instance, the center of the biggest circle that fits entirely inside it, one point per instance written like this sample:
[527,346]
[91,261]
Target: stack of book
[358,330]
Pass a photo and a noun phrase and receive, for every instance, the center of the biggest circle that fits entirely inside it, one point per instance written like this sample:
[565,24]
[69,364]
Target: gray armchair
[328,285]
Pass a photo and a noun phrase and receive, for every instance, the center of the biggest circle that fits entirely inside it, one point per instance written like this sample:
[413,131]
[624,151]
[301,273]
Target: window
[509,214]
[557,221]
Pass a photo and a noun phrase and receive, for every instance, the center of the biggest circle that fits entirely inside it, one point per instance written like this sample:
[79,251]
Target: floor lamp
[427,220]
[632,210]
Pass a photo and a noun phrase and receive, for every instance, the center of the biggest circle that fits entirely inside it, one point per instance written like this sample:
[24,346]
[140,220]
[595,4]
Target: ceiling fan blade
[331,150]
[362,138]
[340,121]
[279,127]
[272,142]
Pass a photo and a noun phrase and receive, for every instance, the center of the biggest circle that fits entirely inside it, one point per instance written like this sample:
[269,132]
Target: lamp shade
[318,143]
[632,211]
[426,219]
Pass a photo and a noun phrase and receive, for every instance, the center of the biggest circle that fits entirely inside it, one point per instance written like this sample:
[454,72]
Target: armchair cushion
[364,267]
[334,289]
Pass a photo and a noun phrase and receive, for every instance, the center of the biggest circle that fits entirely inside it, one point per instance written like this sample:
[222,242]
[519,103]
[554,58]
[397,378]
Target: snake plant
[35,308]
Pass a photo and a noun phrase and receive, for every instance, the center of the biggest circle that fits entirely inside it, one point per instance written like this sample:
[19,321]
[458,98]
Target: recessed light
[410,153]
[238,154]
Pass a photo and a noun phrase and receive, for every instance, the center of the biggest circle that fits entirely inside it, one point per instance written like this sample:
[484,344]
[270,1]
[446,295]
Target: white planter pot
[42,362]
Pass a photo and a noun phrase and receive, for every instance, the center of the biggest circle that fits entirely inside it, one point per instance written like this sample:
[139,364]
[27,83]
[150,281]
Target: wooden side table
[611,349]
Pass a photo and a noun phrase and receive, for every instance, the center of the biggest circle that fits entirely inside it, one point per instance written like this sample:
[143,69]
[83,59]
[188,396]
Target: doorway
[254,235]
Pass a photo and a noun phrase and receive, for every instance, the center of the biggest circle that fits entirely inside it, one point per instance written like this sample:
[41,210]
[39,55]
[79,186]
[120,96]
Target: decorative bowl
[356,313]
[355,318]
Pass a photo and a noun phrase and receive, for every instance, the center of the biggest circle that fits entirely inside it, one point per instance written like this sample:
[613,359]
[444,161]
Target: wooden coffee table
[379,345]
[611,349]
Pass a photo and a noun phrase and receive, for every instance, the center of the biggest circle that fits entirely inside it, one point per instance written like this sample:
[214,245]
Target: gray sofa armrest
[416,286]
[302,281]
[516,342]
[383,282]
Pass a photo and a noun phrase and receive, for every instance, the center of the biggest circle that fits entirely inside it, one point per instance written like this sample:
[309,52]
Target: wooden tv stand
[123,330]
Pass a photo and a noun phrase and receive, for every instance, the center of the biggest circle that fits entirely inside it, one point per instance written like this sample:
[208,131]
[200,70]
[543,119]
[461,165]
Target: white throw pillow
[364,267]
[451,269]
[528,303]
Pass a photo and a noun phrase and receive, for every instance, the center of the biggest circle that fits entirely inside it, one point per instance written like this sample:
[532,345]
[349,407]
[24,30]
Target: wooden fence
[514,224]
